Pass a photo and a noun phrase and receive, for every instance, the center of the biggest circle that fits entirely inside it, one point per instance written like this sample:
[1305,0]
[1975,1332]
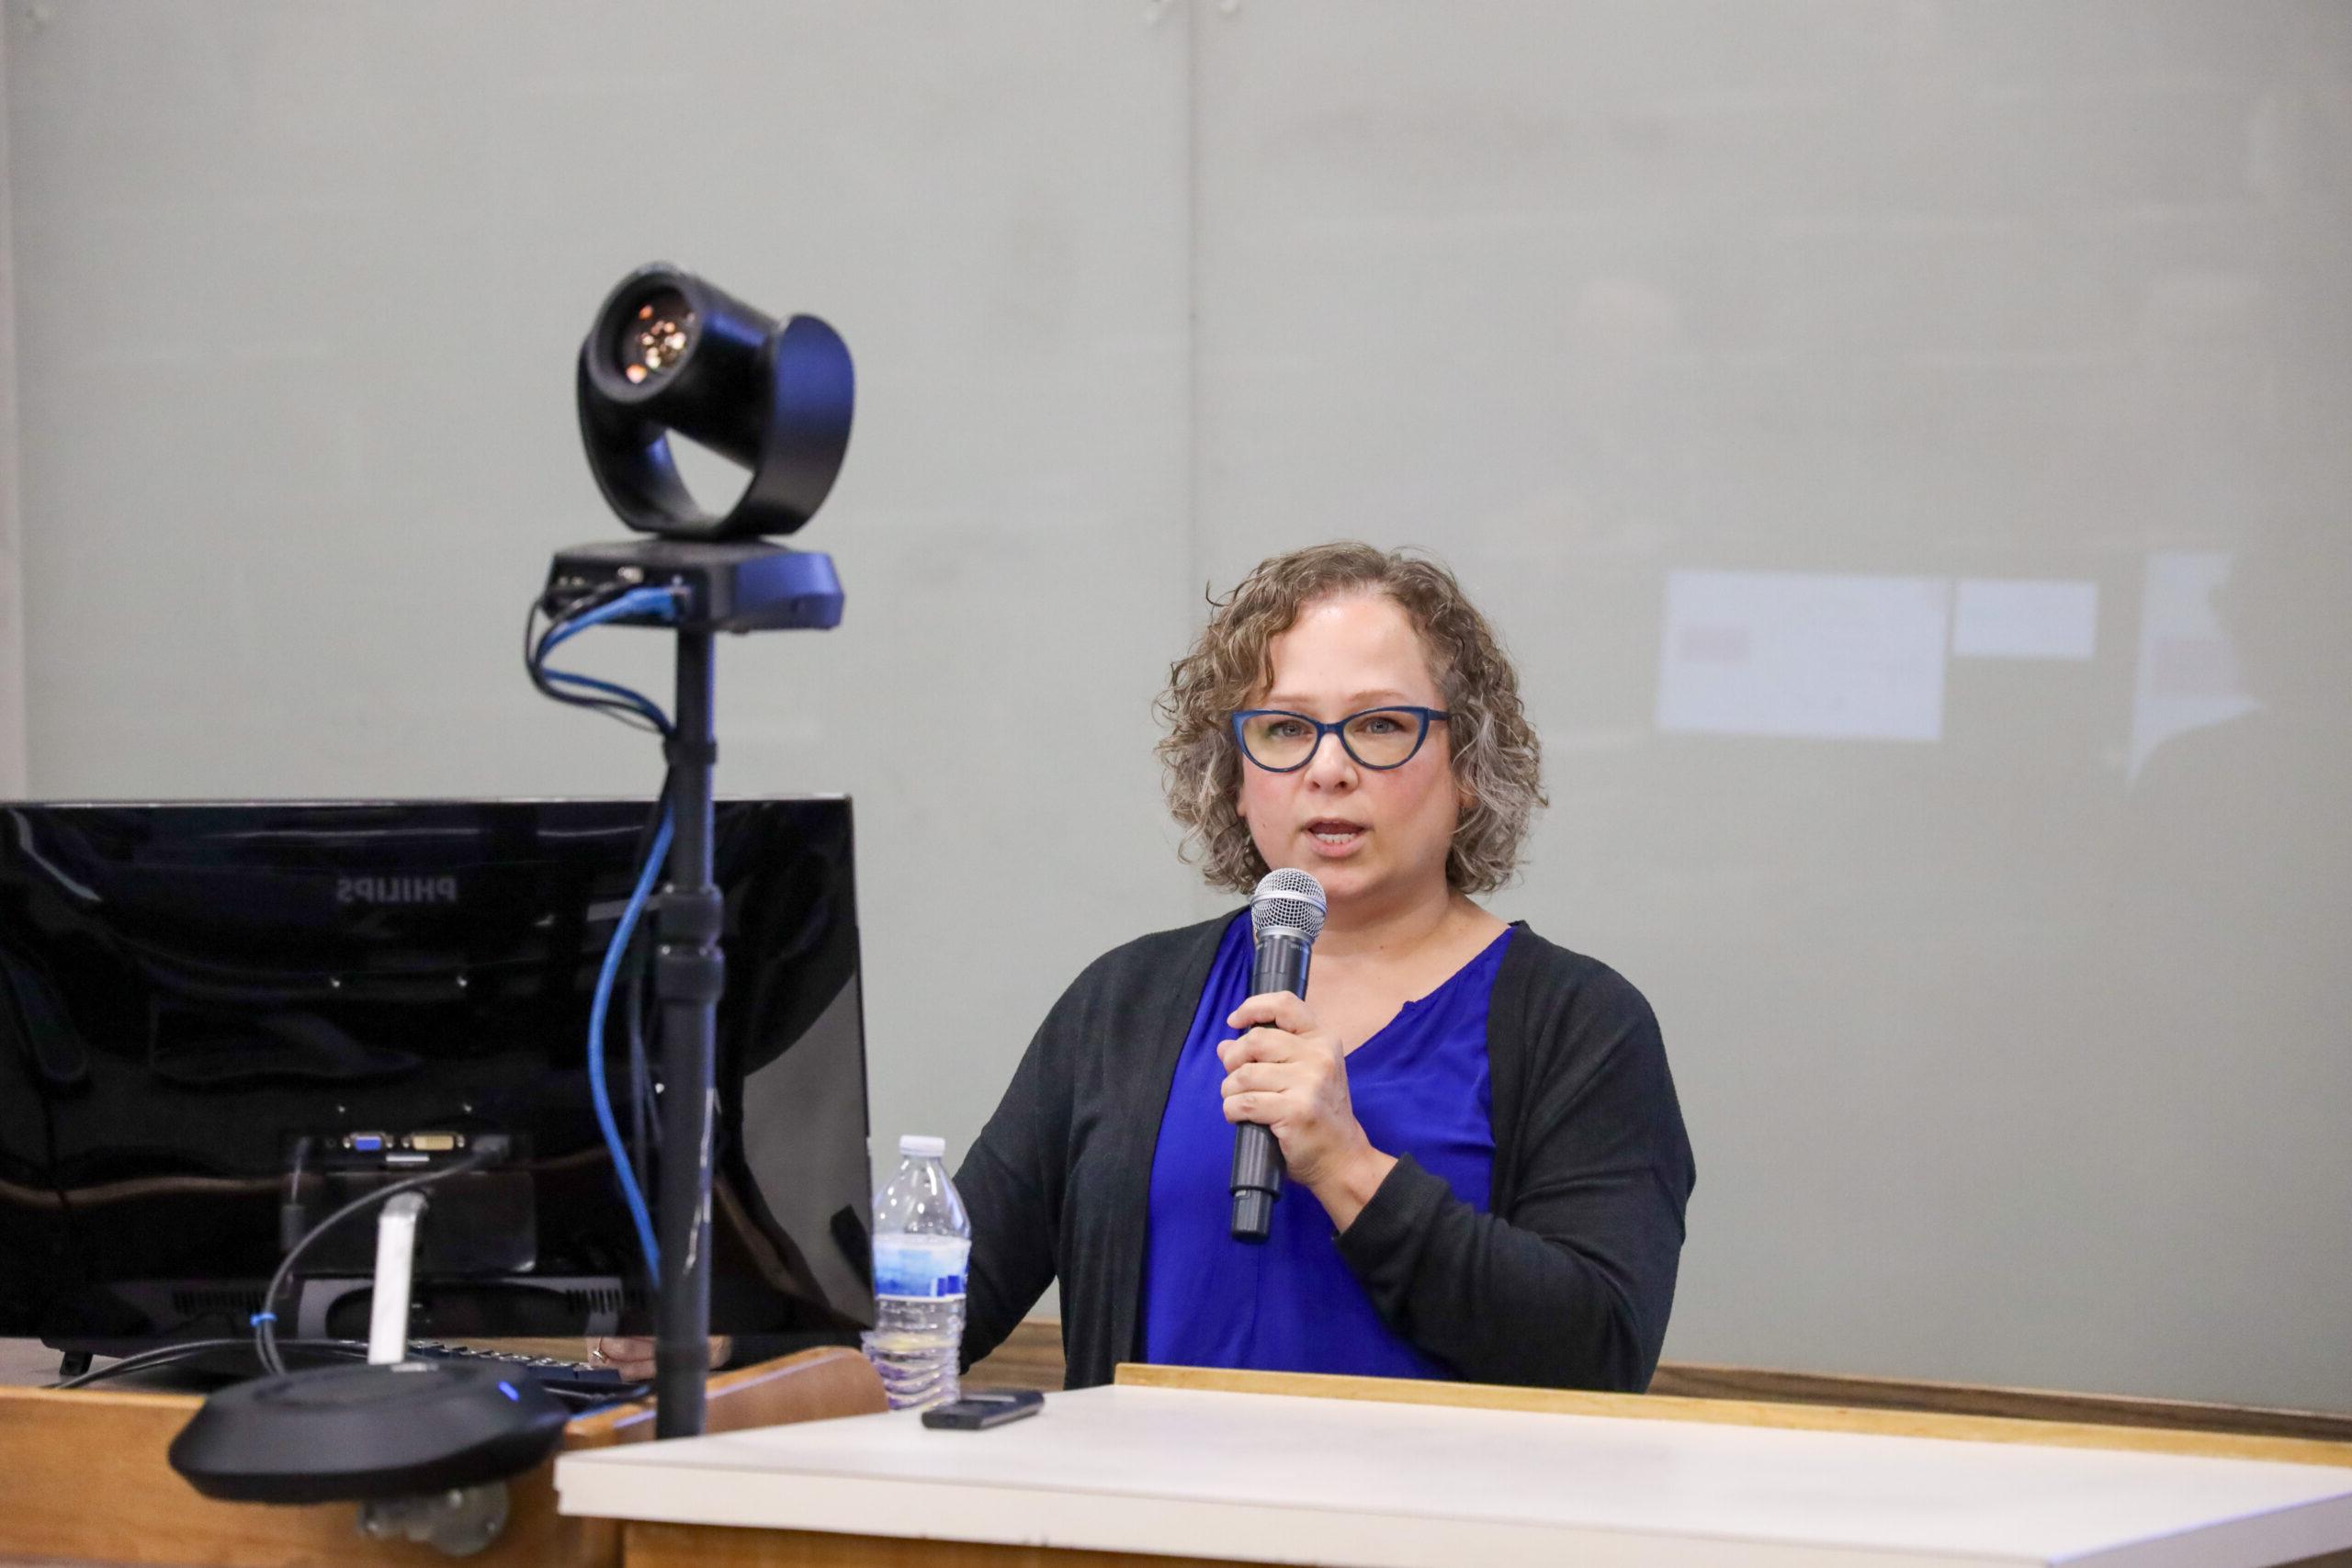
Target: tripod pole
[689,973]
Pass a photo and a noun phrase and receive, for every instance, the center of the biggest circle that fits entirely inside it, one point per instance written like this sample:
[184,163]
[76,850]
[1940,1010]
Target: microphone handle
[1281,966]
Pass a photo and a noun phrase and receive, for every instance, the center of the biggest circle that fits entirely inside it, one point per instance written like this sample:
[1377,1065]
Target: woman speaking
[1487,1168]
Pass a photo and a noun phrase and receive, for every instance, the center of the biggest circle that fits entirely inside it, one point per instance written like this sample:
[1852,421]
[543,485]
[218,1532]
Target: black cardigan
[1567,1284]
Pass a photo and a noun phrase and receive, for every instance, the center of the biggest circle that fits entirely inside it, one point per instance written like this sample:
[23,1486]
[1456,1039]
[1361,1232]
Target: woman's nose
[1331,766]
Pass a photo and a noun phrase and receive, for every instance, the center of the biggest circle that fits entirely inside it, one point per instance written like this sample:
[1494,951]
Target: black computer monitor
[220,1021]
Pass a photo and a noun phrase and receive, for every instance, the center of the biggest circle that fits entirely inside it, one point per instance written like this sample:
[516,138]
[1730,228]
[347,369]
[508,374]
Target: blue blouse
[1291,1304]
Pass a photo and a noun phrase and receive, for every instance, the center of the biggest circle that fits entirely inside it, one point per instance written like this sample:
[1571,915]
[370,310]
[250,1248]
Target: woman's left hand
[1287,1073]
[631,1355]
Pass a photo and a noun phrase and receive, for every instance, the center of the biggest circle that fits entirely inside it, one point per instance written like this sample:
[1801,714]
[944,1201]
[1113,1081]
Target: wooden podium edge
[1031,1356]
[814,1385]
[84,1476]
[1700,1380]
[1746,1413]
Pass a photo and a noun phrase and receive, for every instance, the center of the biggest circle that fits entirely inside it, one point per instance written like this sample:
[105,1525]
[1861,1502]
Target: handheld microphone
[1286,917]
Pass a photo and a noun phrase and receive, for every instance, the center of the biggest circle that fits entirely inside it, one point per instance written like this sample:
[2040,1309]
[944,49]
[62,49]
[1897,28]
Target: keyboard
[558,1376]
[576,1382]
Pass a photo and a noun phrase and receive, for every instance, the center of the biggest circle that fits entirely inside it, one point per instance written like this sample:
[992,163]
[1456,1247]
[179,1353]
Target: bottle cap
[915,1145]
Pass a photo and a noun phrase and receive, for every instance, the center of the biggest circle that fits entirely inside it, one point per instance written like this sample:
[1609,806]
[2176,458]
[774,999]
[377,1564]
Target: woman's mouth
[1333,836]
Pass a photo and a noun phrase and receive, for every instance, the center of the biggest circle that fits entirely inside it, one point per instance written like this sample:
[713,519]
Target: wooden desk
[1201,1467]
[83,1479]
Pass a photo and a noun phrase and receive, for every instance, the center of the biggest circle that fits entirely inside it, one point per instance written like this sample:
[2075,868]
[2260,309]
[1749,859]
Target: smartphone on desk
[976,1412]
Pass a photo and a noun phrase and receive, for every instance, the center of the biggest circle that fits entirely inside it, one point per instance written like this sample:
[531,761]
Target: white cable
[395,1265]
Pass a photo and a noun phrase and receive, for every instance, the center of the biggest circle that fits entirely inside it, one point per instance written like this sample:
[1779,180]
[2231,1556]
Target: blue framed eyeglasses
[1378,739]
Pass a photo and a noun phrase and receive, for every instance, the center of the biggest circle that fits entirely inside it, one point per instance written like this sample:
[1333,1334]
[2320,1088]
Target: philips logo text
[395,889]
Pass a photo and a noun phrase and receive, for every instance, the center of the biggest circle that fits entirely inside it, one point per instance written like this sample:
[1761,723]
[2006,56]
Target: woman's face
[1372,838]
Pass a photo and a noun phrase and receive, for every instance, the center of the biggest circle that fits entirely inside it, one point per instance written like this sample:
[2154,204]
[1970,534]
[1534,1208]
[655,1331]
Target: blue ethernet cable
[622,1170]
[663,603]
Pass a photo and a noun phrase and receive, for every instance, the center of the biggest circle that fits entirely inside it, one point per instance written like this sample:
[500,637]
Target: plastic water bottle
[922,1241]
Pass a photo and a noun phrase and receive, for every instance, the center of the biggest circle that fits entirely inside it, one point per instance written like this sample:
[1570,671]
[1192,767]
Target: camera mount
[670,353]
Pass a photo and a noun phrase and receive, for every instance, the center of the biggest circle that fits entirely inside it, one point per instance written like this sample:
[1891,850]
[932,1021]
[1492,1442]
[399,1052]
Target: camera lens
[655,336]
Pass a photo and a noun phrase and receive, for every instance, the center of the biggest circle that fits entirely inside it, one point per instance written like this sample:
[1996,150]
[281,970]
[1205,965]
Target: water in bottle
[921,1243]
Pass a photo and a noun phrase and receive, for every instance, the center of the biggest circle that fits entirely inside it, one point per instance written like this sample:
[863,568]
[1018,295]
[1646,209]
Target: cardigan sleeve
[1571,1288]
[1011,1181]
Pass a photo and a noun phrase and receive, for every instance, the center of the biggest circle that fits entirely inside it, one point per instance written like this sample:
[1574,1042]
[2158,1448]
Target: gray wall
[12,604]
[1905,445]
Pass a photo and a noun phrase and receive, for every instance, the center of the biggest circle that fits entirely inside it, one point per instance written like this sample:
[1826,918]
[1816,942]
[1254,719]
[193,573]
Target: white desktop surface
[1278,1478]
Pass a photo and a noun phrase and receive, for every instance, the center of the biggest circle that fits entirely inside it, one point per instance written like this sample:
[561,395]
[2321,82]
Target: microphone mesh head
[1288,899]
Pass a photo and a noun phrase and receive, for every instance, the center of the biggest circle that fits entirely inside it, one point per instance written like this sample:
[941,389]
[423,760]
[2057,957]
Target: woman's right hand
[631,1355]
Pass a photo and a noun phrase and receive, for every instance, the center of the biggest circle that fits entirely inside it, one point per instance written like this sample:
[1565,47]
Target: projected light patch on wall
[1822,656]
[2187,673]
[1849,656]
[2003,617]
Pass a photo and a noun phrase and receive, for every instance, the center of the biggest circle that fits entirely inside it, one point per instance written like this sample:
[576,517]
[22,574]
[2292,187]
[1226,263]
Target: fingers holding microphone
[1287,1073]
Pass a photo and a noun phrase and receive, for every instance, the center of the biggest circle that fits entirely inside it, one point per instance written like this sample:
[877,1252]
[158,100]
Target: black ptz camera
[668,355]
[671,352]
